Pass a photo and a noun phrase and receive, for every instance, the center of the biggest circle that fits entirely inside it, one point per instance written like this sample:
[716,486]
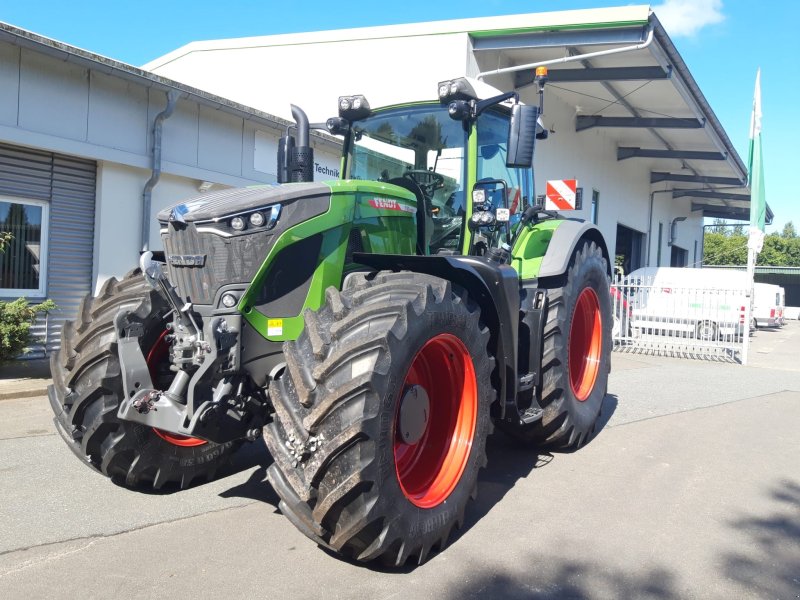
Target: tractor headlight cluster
[264,219]
[483,218]
[456,89]
[354,108]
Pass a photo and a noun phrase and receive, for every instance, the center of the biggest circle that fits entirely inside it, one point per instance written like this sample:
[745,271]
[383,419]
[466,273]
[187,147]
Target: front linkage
[208,398]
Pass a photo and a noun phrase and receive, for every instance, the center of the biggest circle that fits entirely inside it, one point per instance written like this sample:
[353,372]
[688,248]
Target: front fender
[545,248]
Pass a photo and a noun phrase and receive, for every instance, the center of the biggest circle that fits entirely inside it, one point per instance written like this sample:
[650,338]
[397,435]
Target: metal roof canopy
[645,99]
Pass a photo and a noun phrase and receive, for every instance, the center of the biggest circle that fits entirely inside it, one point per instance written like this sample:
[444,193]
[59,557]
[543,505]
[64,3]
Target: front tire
[87,389]
[576,355]
[382,417]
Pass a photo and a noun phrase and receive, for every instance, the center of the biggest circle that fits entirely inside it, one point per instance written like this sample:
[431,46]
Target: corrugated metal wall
[68,184]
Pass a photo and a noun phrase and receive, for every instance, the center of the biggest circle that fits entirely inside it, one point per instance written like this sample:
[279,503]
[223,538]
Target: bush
[16,319]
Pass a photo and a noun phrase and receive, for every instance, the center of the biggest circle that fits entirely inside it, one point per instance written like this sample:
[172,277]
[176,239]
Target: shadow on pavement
[573,580]
[508,461]
[256,487]
[769,564]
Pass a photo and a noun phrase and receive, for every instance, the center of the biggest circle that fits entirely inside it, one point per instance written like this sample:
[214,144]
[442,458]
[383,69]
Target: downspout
[565,59]
[650,221]
[147,193]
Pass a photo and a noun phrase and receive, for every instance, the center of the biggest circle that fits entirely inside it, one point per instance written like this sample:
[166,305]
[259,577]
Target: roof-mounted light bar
[456,89]
[354,108]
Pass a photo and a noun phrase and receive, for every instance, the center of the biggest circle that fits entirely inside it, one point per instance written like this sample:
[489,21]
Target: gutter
[565,59]
[147,193]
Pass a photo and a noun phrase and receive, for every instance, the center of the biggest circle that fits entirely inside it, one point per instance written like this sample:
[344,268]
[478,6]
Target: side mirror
[522,136]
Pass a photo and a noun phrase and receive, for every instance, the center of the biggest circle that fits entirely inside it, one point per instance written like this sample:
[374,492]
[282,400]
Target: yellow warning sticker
[274,327]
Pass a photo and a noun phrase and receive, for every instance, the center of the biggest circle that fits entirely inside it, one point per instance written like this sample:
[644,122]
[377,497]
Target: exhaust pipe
[296,157]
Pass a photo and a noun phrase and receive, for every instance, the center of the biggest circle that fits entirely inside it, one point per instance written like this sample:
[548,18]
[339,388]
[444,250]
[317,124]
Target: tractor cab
[453,155]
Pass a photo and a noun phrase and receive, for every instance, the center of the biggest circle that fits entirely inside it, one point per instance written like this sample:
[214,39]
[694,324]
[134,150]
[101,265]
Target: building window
[595,205]
[23,264]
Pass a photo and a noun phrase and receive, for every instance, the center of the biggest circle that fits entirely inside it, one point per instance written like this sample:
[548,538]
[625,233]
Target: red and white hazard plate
[561,194]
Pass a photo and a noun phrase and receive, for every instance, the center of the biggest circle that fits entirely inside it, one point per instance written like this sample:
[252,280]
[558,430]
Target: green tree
[780,251]
[789,231]
[724,249]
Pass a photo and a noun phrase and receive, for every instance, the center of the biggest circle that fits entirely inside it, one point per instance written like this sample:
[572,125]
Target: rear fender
[566,238]
[494,287]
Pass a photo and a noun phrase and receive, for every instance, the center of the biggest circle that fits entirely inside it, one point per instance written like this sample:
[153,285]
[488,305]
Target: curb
[27,392]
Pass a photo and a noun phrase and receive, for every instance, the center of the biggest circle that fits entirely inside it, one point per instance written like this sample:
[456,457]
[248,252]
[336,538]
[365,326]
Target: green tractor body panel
[364,216]
[531,247]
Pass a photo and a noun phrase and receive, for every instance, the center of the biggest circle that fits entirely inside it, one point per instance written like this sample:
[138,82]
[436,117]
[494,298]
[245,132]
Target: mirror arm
[482,105]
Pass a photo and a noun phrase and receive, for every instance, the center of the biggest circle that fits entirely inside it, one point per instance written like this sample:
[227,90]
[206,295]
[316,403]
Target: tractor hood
[216,205]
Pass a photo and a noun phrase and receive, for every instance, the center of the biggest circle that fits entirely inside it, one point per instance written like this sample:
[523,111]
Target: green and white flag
[755,165]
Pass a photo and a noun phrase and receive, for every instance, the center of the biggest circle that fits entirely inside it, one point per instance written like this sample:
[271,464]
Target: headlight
[256,219]
[237,223]
[228,300]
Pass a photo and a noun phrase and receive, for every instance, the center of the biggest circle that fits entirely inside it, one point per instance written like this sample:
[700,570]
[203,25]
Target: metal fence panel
[696,322]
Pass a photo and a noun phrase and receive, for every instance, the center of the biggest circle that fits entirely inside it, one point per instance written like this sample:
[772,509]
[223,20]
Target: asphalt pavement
[691,490]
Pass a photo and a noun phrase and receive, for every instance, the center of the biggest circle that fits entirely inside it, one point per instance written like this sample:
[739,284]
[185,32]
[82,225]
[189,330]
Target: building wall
[109,120]
[313,76]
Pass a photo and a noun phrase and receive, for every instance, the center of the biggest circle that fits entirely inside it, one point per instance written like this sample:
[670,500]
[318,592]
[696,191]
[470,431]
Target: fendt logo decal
[187,260]
[389,204]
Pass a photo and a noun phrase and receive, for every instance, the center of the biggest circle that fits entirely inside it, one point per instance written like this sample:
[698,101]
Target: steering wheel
[429,181]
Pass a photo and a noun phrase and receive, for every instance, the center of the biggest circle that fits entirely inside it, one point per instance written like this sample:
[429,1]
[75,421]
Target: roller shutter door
[68,185]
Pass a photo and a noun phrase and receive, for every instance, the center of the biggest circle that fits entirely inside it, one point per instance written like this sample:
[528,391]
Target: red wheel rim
[585,344]
[158,353]
[429,469]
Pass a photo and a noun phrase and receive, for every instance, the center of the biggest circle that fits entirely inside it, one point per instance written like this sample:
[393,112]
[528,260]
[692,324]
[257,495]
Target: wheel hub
[414,414]
[585,344]
[435,421]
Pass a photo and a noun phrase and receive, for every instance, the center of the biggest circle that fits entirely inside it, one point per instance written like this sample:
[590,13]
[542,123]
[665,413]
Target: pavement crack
[99,537]
[25,437]
[611,425]
[45,559]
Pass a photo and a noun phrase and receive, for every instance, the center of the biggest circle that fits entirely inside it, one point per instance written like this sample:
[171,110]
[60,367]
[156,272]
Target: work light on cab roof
[354,108]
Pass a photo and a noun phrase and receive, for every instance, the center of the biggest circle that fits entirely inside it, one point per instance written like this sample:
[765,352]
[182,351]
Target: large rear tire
[87,388]
[382,416]
[576,355]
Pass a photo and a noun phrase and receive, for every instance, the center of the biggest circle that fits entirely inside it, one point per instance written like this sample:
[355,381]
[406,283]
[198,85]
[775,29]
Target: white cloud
[687,17]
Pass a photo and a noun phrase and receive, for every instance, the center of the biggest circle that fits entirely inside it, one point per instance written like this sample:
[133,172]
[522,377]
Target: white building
[628,120]
[77,150]
[82,135]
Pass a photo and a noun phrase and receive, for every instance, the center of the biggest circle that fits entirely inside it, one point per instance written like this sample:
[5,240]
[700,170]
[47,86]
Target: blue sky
[723,42]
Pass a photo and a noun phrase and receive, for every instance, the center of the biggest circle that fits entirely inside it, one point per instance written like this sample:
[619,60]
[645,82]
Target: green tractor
[374,329]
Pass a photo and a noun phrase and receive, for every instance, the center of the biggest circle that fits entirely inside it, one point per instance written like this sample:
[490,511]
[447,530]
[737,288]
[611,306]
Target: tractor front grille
[225,260]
